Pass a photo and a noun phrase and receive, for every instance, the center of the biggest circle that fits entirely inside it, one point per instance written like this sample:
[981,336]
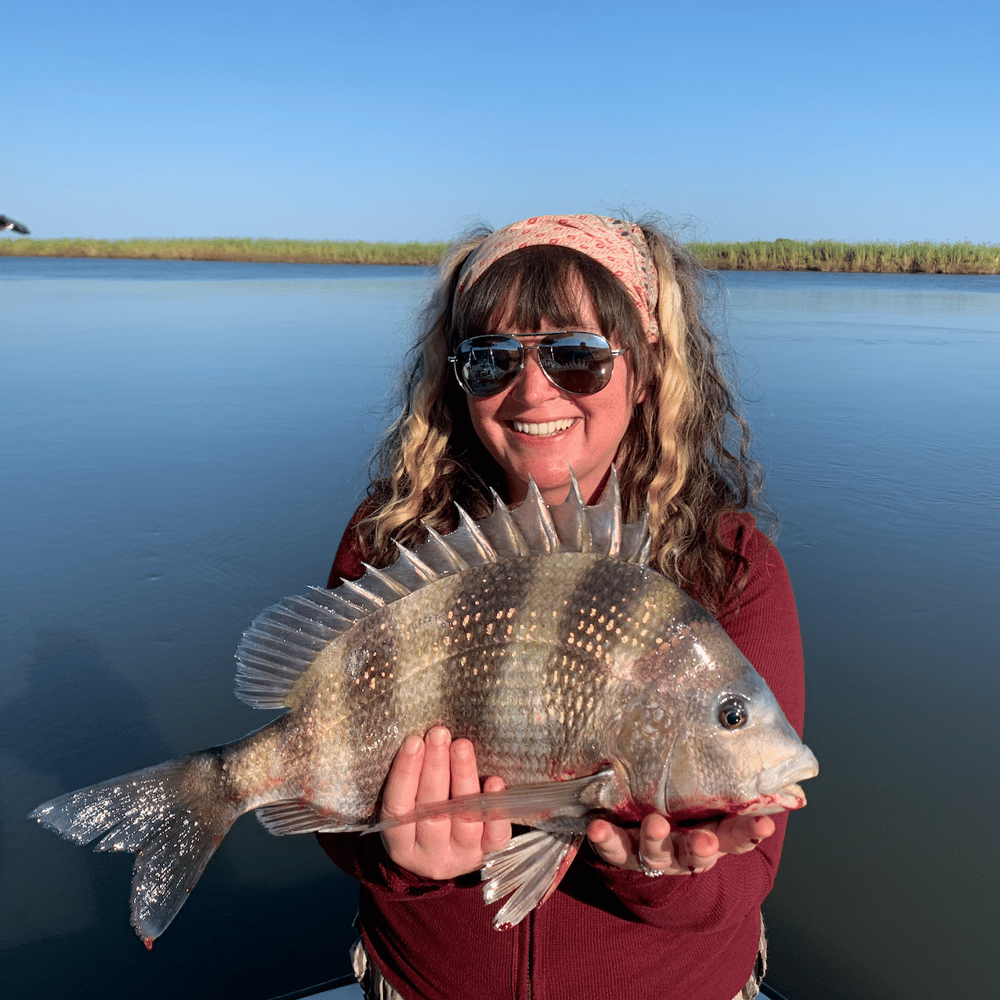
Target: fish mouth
[778,778]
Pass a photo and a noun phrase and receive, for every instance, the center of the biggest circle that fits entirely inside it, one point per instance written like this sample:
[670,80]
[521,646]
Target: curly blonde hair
[686,447]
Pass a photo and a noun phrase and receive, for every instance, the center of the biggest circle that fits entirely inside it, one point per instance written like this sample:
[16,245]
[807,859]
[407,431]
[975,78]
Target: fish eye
[732,714]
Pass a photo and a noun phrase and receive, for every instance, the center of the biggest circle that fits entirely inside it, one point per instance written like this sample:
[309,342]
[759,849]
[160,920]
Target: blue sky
[403,121]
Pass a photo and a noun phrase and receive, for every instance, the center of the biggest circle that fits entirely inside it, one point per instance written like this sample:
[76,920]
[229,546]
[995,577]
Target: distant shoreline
[779,255]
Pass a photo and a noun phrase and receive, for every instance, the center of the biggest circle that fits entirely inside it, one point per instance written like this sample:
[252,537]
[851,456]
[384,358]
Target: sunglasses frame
[524,348]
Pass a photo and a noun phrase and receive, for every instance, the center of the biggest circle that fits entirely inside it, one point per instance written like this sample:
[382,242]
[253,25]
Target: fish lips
[773,790]
[787,773]
[778,786]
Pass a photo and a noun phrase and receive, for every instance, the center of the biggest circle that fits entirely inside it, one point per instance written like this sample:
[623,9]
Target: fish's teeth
[541,430]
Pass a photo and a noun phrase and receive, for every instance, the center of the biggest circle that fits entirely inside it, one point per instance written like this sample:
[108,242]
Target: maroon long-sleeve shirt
[605,931]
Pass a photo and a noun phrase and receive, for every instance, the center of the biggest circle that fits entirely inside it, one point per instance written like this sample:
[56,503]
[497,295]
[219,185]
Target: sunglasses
[580,363]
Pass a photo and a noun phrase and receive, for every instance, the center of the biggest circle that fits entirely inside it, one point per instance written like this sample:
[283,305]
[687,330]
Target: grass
[831,255]
[286,251]
[781,255]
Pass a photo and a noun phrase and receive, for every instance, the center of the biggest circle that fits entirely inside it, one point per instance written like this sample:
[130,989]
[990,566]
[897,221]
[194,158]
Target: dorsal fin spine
[388,582]
[439,550]
[483,547]
[571,521]
[423,571]
[534,520]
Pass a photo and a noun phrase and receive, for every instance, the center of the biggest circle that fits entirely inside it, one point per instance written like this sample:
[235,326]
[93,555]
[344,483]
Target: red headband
[619,246]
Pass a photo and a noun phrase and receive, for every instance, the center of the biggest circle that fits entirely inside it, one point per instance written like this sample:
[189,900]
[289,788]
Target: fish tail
[170,816]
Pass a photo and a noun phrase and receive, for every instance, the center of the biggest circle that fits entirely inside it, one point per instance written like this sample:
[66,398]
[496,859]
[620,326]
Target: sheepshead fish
[591,684]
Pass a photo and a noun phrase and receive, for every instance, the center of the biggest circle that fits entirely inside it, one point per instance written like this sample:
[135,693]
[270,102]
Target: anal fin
[294,816]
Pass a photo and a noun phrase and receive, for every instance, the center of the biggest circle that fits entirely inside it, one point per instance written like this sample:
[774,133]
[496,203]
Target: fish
[591,684]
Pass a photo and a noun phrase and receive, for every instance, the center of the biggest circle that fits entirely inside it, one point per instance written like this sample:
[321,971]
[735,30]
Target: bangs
[527,287]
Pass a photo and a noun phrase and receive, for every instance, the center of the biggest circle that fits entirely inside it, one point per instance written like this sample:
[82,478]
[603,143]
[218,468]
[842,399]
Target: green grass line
[286,251]
[833,255]
[780,255]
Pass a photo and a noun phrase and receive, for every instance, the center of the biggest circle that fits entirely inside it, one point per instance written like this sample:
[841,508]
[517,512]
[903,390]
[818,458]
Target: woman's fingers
[464,772]
[433,770]
[740,834]
[435,775]
[655,847]
[466,832]
[496,832]
[611,843]
[655,841]
[400,794]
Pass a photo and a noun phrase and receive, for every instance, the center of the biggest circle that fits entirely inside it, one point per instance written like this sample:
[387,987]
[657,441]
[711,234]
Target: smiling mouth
[542,430]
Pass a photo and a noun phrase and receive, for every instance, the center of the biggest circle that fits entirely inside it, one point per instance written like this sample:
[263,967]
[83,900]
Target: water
[182,444]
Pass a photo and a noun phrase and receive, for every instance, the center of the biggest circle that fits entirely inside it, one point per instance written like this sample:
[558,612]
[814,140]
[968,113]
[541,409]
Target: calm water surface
[182,444]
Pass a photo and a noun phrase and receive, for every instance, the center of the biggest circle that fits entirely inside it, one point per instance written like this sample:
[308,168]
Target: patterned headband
[619,246]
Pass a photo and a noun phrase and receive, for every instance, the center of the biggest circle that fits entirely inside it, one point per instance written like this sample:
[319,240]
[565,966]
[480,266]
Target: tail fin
[167,815]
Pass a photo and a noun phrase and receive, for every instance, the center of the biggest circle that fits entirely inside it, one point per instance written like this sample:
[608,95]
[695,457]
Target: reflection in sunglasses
[576,362]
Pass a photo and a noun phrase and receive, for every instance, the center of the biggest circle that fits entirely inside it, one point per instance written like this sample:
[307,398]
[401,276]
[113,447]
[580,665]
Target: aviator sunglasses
[577,362]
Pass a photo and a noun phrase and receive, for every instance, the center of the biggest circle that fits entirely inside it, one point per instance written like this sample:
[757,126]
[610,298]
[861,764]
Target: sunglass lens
[581,364]
[487,365]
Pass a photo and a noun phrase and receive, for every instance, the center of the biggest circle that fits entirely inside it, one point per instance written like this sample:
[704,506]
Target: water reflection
[183,443]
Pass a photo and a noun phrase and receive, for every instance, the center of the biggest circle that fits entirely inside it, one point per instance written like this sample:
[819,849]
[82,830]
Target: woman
[615,366]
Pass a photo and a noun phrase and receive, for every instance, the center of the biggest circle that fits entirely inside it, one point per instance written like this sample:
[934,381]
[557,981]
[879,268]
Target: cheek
[482,413]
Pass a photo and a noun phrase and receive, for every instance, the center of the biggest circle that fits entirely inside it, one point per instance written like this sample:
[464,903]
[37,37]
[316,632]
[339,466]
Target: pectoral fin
[530,805]
[528,869]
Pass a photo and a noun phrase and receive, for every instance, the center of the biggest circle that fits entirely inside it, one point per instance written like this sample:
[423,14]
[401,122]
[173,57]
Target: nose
[532,384]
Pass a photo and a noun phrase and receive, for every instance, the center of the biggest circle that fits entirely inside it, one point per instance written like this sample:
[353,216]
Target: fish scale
[591,684]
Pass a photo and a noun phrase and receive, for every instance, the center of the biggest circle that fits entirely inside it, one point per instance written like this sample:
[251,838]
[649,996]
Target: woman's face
[533,428]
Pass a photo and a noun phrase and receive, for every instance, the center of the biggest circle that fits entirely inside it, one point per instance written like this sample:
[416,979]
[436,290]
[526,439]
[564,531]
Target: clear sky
[397,120]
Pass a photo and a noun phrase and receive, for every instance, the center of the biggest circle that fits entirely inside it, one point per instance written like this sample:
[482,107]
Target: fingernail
[412,745]
[438,736]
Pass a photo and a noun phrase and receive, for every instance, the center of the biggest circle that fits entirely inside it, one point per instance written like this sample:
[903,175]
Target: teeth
[541,430]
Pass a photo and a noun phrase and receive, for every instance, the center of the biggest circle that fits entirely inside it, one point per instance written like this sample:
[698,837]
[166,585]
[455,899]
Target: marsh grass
[831,255]
[247,249]
[781,255]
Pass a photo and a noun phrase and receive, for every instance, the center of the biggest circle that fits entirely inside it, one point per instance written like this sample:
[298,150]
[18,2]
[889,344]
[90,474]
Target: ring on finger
[646,870]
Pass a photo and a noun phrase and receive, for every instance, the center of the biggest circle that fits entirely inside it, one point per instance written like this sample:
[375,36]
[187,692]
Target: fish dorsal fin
[636,541]
[571,521]
[605,520]
[534,520]
[284,641]
[502,532]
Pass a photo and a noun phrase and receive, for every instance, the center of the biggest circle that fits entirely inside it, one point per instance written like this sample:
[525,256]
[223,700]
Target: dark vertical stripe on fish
[371,682]
[601,608]
[484,617]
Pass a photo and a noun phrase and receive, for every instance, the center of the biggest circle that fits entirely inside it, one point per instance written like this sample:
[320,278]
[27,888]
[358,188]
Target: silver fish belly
[587,681]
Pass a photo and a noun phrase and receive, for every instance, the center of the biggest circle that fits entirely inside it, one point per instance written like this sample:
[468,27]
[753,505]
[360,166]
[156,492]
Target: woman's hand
[426,771]
[686,851]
